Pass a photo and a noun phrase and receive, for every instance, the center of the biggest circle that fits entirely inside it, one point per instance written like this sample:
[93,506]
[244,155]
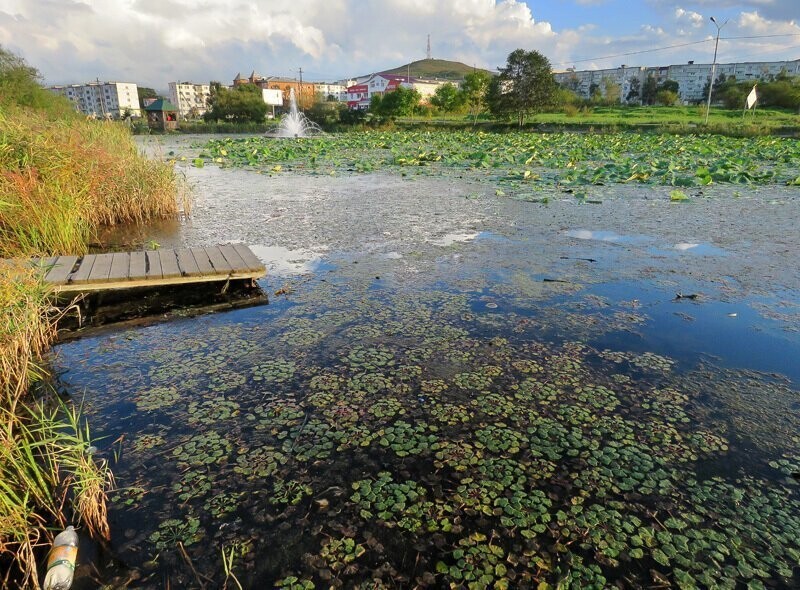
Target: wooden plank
[44,263]
[176,280]
[138,268]
[187,263]
[169,264]
[232,256]
[203,262]
[153,264]
[101,268]
[252,261]
[81,274]
[60,270]
[120,266]
[218,260]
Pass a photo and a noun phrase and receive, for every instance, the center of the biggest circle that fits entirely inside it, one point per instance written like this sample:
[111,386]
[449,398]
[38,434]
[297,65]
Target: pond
[454,388]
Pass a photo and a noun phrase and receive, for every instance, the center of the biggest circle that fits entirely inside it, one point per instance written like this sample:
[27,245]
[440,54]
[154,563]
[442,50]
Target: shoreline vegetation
[679,120]
[62,177]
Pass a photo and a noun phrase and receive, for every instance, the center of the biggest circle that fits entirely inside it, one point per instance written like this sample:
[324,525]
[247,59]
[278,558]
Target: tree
[649,90]
[447,98]
[244,103]
[145,93]
[20,84]
[474,92]
[670,85]
[667,98]
[634,90]
[397,103]
[611,92]
[524,86]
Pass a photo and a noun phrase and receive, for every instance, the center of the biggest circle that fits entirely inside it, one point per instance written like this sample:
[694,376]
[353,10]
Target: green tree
[667,98]
[242,104]
[447,98]
[145,93]
[397,103]
[611,92]
[649,89]
[634,90]
[523,87]
[474,92]
[20,84]
[670,85]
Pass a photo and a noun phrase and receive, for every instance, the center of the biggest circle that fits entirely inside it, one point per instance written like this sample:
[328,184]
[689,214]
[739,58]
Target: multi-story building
[690,77]
[102,99]
[304,92]
[331,91]
[359,95]
[190,99]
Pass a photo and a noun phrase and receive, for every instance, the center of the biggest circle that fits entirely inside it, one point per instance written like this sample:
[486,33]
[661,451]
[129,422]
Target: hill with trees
[434,68]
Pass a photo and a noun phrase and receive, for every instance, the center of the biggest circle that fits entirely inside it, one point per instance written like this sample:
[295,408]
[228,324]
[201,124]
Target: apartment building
[102,99]
[691,77]
[190,99]
[358,95]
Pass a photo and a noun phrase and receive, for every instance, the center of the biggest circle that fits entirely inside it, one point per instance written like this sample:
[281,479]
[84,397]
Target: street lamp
[713,65]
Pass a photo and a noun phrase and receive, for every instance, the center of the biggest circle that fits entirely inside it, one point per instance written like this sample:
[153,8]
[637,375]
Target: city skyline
[153,42]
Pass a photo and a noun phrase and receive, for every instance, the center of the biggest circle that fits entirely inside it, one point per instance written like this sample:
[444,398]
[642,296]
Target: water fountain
[295,123]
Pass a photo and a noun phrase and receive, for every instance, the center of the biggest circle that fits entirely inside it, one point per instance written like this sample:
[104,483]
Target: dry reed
[61,180]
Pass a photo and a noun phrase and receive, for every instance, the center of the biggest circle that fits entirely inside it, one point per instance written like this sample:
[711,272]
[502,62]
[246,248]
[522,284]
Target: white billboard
[272,96]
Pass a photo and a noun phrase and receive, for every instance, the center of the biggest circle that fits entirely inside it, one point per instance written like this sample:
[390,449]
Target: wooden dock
[150,268]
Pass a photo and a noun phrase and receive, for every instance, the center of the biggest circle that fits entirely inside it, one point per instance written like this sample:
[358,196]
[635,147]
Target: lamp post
[713,65]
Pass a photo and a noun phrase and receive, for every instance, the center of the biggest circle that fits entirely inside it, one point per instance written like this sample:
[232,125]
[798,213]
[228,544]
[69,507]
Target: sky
[154,42]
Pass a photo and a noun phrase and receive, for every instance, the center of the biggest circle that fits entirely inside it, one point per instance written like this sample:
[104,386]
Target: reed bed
[60,180]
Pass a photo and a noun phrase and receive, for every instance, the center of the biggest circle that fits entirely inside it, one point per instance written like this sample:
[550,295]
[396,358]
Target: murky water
[458,389]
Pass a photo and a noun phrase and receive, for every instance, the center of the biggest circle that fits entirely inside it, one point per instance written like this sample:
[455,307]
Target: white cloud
[152,42]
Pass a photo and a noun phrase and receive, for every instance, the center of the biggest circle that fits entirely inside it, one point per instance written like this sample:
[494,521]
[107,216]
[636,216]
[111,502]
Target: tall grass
[60,180]
[45,473]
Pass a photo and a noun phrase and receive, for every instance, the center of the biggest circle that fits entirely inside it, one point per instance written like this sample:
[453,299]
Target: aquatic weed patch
[525,462]
[524,159]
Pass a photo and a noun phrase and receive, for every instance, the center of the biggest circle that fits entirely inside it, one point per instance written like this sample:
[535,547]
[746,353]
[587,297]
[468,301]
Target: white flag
[752,98]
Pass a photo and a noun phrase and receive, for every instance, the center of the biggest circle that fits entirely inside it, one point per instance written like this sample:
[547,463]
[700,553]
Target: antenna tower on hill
[428,53]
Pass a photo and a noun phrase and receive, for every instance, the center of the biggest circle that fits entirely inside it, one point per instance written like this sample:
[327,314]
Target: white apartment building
[334,89]
[191,100]
[102,99]
[691,77]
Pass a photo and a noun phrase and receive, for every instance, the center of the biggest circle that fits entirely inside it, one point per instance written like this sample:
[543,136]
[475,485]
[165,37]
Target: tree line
[521,88]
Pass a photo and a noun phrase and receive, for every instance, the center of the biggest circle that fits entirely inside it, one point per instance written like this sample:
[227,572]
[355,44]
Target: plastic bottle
[61,561]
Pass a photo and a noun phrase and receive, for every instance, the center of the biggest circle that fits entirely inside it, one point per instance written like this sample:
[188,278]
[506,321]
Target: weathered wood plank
[44,263]
[138,267]
[169,264]
[187,263]
[218,260]
[250,259]
[120,266]
[101,268]
[81,274]
[124,270]
[153,264]
[202,260]
[232,256]
[60,270]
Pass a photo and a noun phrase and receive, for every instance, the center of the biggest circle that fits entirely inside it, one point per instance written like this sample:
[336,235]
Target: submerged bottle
[61,561]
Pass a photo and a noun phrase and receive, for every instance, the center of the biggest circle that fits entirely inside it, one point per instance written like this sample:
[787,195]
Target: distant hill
[433,68]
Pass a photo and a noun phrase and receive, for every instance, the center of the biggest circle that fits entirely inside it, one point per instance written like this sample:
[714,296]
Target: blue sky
[153,42]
